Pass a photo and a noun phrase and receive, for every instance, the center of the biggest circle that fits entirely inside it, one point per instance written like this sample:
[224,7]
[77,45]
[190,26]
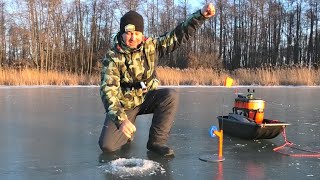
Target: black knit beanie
[131,21]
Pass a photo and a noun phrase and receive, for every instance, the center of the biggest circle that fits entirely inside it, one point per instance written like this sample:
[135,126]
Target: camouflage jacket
[122,65]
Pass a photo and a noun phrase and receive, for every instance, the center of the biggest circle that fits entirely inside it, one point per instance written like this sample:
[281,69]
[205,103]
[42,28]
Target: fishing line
[309,154]
[222,113]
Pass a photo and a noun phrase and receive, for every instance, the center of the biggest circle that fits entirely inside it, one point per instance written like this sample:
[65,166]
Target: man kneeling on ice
[129,83]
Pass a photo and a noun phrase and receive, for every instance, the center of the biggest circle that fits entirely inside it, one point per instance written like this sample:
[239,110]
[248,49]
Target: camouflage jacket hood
[122,65]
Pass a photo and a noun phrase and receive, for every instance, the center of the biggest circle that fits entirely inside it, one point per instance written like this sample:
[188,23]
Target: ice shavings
[123,167]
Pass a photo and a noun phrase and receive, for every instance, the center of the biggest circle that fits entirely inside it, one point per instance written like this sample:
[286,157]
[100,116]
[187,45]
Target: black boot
[161,149]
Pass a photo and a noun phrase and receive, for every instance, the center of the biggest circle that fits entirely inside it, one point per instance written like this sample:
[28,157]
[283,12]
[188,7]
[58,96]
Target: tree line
[73,35]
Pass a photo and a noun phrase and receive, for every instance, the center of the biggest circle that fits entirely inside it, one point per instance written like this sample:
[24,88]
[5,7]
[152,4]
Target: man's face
[132,38]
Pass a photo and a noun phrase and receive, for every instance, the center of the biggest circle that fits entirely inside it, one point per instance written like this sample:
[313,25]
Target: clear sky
[195,3]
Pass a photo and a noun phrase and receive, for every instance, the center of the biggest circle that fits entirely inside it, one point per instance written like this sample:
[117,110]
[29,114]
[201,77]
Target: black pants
[162,103]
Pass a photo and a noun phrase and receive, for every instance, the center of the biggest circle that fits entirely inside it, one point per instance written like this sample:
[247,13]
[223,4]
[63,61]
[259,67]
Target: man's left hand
[208,10]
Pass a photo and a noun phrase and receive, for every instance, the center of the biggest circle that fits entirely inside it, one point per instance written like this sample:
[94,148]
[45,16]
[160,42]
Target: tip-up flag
[228,82]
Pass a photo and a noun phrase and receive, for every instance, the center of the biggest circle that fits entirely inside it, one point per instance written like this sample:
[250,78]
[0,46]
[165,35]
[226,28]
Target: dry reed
[275,77]
[27,77]
[171,76]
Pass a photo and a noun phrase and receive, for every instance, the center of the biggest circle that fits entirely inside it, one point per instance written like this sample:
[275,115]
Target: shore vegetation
[172,77]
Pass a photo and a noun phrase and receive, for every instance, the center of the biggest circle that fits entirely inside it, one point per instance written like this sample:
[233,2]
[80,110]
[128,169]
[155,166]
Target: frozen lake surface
[52,133]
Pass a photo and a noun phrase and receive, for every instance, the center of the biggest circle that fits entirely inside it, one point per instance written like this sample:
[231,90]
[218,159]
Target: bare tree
[2,34]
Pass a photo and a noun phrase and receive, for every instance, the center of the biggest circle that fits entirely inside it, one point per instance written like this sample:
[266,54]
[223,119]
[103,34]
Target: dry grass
[171,76]
[275,77]
[34,77]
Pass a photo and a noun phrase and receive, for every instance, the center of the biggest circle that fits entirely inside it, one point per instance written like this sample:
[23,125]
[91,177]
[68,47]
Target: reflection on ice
[312,124]
[123,167]
[241,145]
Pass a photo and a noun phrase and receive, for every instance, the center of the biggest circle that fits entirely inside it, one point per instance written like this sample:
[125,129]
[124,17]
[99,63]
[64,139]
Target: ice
[46,133]
[312,124]
[241,145]
[123,167]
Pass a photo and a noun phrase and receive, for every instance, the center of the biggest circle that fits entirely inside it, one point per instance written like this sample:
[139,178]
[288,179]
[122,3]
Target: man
[128,82]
